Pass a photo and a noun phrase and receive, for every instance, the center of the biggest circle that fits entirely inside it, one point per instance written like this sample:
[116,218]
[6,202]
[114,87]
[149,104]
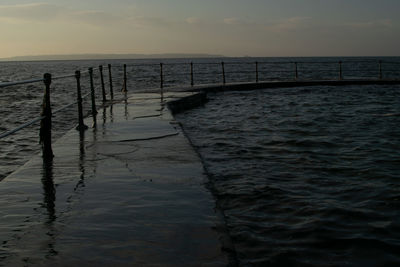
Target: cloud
[290,24]
[232,21]
[193,20]
[45,12]
[96,17]
[143,22]
[31,12]
[384,23]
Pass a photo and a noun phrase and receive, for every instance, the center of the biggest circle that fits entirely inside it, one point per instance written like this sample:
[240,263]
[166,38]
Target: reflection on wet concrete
[49,200]
[111,113]
[94,125]
[104,114]
[81,182]
[49,190]
[116,198]
[126,113]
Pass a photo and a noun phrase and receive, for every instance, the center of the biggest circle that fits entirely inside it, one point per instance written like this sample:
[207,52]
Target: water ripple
[305,176]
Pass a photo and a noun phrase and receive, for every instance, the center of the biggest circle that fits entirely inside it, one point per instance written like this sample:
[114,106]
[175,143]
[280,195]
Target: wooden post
[340,71]
[380,69]
[111,85]
[93,97]
[296,74]
[125,88]
[191,74]
[81,126]
[256,71]
[223,72]
[103,89]
[45,124]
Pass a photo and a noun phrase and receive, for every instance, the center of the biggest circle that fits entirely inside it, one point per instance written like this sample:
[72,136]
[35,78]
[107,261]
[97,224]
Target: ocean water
[305,176]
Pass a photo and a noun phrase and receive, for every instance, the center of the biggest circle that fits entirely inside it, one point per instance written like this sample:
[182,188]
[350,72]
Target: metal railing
[46,114]
[200,73]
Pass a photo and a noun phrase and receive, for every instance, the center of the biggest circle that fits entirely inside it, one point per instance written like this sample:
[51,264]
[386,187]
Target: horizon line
[119,56]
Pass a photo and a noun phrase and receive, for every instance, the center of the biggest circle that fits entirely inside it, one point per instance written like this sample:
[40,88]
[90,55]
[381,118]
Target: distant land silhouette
[106,56]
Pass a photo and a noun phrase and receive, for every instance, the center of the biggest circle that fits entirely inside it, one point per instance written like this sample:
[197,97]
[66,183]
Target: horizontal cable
[85,72]
[6,84]
[84,96]
[64,107]
[29,123]
[63,77]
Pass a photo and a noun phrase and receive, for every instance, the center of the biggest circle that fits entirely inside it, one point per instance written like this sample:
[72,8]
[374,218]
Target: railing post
[111,84]
[223,72]
[93,97]
[81,126]
[296,74]
[191,74]
[380,69]
[45,124]
[161,76]
[161,80]
[103,89]
[125,88]
[256,71]
[340,71]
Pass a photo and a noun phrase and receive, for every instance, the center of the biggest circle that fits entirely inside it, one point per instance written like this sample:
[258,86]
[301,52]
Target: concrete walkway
[130,193]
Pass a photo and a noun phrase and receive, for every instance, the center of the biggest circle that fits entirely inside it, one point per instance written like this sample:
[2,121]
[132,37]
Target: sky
[225,27]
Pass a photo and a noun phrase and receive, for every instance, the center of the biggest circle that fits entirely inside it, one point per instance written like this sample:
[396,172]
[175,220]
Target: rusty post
[45,124]
[296,74]
[125,88]
[340,71]
[111,84]
[380,69]
[103,89]
[93,97]
[191,74]
[81,126]
[256,71]
[223,72]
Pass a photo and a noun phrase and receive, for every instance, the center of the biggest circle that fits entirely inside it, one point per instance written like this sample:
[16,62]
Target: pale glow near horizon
[225,27]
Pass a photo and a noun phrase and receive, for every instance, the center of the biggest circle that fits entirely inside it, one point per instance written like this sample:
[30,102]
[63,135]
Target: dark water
[305,176]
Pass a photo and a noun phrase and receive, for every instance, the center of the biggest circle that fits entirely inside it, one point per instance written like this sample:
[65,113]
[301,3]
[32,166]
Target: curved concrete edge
[187,102]
[247,86]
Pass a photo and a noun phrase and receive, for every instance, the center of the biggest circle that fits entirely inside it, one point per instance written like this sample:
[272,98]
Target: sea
[304,176]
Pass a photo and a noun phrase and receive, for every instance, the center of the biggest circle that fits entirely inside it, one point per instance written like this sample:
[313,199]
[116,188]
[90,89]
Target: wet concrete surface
[130,192]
